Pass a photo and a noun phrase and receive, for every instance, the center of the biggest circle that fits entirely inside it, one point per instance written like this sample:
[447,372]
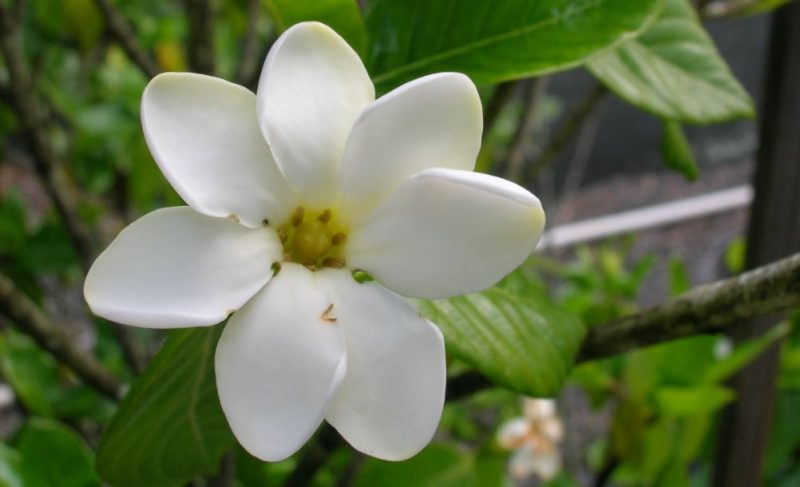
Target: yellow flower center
[314,239]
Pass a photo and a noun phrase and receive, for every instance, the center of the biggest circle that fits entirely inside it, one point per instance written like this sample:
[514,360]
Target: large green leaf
[525,344]
[438,465]
[674,71]
[343,16]
[494,41]
[52,454]
[170,427]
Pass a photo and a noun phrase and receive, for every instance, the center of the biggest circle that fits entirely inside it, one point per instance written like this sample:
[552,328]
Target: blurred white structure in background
[534,439]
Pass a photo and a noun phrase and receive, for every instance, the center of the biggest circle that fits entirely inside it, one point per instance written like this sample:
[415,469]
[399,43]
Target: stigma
[314,239]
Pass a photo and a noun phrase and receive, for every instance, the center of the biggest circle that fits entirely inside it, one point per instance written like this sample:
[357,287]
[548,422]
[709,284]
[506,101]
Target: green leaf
[691,401]
[494,41]
[437,465]
[679,280]
[744,354]
[522,343]
[10,467]
[676,152]
[31,373]
[674,71]
[170,427]
[53,454]
[343,16]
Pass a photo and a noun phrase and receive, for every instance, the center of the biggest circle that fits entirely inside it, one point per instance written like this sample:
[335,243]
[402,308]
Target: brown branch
[31,115]
[704,310]
[27,316]
[123,33]
[571,125]
[707,309]
[201,36]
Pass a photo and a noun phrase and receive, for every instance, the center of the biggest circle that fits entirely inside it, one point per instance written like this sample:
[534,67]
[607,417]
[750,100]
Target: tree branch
[703,310]
[707,309]
[49,168]
[201,36]
[27,316]
[123,33]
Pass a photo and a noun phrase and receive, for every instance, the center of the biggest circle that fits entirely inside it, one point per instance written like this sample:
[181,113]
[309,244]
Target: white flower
[312,177]
[534,440]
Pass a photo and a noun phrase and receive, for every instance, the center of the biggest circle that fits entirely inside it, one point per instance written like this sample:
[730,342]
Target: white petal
[277,364]
[536,409]
[204,135]
[513,433]
[527,462]
[391,399]
[313,87]
[446,232]
[435,121]
[175,268]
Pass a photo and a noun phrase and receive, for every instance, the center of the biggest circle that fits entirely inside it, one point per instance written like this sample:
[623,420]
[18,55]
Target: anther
[282,234]
[335,262]
[339,238]
[327,316]
[297,218]
[325,216]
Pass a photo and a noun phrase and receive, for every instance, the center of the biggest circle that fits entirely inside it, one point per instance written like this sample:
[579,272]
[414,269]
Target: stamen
[282,234]
[326,315]
[297,218]
[335,262]
[339,239]
[325,217]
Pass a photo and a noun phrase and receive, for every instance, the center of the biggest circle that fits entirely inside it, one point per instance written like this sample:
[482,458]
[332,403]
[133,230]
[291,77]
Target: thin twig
[123,33]
[249,60]
[707,309]
[569,127]
[24,313]
[201,36]
[532,92]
